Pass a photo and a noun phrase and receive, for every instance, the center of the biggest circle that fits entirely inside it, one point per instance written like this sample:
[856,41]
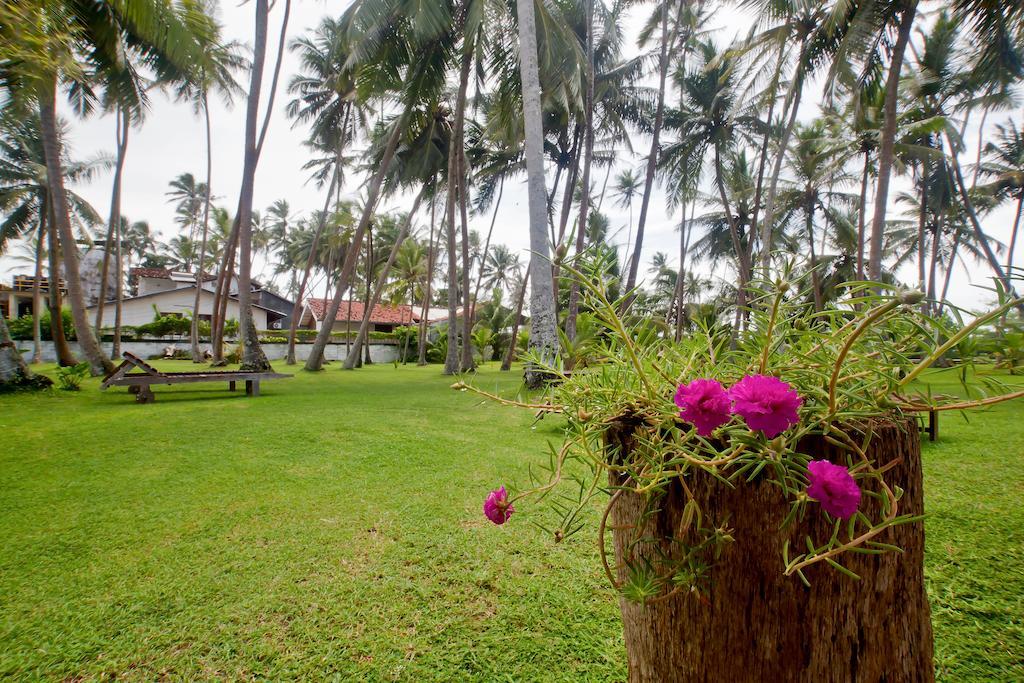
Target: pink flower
[703,403]
[766,403]
[833,487]
[496,507]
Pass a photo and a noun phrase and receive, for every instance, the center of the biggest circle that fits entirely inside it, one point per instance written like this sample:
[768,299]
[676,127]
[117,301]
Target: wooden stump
[754,623]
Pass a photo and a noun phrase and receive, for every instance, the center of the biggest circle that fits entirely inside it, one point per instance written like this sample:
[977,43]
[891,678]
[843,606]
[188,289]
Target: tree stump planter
[753,623]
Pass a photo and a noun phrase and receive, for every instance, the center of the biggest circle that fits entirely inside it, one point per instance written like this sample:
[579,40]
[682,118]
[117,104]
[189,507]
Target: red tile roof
[353,310]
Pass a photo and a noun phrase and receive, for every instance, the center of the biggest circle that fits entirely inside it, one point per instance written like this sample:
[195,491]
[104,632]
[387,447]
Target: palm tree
[46,42]
[24,196]
[1004,164]
[543,325]
[625,189]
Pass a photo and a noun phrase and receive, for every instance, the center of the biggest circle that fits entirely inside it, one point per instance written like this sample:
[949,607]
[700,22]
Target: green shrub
[71,377]
[21,328]
[273,340]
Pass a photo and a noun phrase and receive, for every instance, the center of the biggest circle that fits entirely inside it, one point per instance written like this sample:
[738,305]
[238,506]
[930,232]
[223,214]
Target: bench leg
[933,425]
[145,394]
[231,385]
[252,387]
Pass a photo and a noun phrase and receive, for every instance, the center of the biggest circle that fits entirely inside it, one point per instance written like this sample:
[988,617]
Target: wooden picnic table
[140,382]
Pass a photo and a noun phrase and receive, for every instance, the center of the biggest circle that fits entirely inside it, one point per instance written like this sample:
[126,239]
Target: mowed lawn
[332,529]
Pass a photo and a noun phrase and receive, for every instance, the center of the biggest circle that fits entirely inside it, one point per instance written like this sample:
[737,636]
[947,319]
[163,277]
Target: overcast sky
[171,142]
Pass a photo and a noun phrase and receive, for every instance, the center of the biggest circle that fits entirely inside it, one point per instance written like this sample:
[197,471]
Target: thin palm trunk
[933,267]
[543,322]
[421,342]
[1013,235]
[588,155]
[677,296]
[979,233]
[861,218]
[815,275]
[315,360]
[949,271]
[469,305]
[87,341]
[369,287]
[121,133]
[379,285]
[921,218]
[118,292]
[887,146]
[734,233]
[791,107]
[510,354]
[65,357]
[487,244]
[37,293]
[197,352]
[762,163]
[652,160]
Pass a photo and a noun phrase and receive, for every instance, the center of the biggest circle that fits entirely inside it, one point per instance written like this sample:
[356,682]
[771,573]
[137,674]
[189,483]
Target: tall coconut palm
[1004,165]
[50,42]
[543,325]
[24,198]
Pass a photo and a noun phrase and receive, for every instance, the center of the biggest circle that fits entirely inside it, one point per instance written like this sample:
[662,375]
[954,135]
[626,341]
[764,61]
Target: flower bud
[782,286]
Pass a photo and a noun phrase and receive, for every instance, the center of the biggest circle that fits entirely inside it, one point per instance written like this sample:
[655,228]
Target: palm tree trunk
[378,286]
[37,297]
[197,352]
[65,357]
[310,259]
[115,211]
[979,233]
[119,291]
[487,244]
[421,342]
[861,218]
[734,233]
[933,266]
[792,107]
[13,370]
[815,275]
[1013,235]
[467,363]
[315,360]
[949,271]
[87,341]
[922,214]
[652,160]
[253,358]
[887,147]
[543,323]
[588,156]
[506,364]
[762,163]
[452,358]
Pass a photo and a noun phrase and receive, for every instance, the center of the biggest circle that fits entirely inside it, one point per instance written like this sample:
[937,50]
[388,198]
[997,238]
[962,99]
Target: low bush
[70,378]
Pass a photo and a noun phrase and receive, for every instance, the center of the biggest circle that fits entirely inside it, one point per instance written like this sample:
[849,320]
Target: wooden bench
[139,383]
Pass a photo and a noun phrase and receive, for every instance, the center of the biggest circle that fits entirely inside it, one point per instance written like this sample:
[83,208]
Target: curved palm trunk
[87,341]
[652,160]
[921,217]
[815,275]
[253,357]
[315,360]
[197,352]
[510,354]
[792,107]
[588,157]
[119,292]
[311,258]
[734,233]
[37,296]
[378,286]
[115,211]
[762,163]
[369,288]
[65,357]
[933,266]
[949,271]
[887,147]
[1013,235]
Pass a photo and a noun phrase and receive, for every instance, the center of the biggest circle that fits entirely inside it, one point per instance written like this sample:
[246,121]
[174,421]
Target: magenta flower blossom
[766,403]
[496,506]
[703,403]
[833,487]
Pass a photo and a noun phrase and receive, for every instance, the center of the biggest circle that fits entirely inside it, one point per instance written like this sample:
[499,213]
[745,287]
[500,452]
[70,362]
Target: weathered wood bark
[755,624]
[65,356]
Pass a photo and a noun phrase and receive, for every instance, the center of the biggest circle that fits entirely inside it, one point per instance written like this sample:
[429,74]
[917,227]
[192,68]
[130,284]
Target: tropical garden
[702,290]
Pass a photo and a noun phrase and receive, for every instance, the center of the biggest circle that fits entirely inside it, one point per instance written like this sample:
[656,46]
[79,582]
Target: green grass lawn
[332,529]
